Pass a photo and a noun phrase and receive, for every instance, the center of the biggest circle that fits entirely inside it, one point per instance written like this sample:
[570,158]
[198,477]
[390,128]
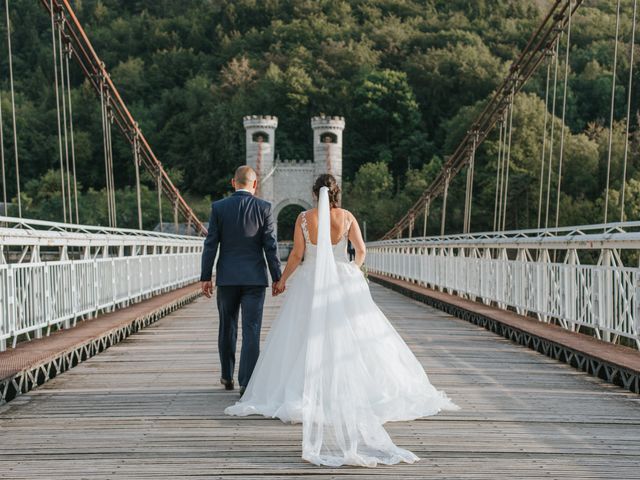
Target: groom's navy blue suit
[242,225]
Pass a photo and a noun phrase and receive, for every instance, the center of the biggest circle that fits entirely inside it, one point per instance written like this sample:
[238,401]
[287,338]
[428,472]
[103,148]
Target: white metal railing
[586,287]
[88,270]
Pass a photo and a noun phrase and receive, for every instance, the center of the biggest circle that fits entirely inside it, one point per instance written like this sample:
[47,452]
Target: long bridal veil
[339,423]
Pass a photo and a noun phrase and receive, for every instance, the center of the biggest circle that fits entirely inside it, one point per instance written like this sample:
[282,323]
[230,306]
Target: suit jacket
[243,227]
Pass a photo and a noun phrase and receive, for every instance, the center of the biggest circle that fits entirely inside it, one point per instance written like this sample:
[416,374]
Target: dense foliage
[408,75]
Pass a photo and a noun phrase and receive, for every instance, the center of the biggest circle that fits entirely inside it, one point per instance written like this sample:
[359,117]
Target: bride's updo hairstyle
[329,181]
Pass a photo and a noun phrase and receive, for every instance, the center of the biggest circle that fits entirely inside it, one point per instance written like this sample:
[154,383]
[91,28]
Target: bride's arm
[296,255]
[355,236]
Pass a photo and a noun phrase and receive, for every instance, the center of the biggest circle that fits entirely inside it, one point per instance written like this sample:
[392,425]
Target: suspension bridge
[108,354]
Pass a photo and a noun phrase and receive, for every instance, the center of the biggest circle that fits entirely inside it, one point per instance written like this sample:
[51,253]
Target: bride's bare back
[341,221]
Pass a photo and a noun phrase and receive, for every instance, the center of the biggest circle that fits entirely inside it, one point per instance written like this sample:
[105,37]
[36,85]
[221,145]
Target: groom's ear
[255,184]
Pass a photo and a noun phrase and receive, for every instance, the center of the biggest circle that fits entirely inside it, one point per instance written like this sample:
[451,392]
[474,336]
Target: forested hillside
[408,75]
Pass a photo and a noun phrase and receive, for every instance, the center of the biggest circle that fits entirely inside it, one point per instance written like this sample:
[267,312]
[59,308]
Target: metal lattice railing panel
[87,270]
[602,298]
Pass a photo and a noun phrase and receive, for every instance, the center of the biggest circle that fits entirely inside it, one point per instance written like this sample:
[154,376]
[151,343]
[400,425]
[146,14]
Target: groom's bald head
[245,178]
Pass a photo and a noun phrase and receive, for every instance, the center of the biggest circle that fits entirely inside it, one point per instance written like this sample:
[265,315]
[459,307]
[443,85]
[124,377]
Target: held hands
[207,288]
[278,287]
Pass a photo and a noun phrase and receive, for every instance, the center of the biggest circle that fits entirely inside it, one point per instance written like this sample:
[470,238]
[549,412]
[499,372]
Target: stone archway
[287,202]
[287,211]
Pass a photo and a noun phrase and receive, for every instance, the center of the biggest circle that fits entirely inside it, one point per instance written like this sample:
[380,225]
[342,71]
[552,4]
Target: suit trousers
[231,299]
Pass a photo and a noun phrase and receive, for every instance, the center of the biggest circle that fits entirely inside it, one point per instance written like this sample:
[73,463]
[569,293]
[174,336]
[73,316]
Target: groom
[242,225]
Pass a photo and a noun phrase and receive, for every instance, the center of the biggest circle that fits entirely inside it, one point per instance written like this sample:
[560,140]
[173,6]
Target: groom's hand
[277,288]
[207,288]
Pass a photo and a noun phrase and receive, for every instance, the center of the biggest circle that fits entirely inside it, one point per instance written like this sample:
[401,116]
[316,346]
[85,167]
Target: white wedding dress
[333,361]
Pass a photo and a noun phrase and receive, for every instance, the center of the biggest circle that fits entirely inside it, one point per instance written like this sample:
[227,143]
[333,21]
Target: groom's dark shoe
[228,384]
[242,389]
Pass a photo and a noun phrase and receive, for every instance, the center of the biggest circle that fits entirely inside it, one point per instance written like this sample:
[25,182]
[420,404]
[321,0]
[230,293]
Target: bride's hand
[278,287]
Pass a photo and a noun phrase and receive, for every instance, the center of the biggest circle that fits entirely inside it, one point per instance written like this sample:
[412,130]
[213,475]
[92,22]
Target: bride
[332,360]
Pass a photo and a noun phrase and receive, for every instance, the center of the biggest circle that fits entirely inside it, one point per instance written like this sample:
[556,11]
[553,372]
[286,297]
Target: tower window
[328,137]
[260,137]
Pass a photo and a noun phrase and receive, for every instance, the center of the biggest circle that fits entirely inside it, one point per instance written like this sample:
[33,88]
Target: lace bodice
[339,249]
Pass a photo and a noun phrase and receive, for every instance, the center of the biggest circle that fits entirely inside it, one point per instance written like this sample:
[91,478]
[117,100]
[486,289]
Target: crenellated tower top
[327,145]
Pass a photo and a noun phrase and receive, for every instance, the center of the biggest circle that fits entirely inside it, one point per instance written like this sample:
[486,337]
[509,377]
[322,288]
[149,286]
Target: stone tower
[289,182]
[327,145]
[260,140]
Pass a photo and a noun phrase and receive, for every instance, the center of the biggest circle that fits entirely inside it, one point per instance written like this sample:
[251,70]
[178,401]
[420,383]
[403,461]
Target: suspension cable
[613,96]
[501,205]
[159,182]
[502,168]
[136,161]
[498,175]
[564,112]
[473,171]
[553,123]
[507,164]
[626,132]
[444,203]
[13,109]
[544,142]
[426,217]
[57,88]
[4,177]
[73,148]
[175,217]
[63,88]
[106,155]
[110,149]
[469,190]
[466,197]
[412,221]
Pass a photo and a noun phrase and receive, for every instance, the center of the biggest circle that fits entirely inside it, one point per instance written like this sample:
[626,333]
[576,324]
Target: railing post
[607,316]
[520,281]
[47,305]
[11,303]
[74,293]
[570,288]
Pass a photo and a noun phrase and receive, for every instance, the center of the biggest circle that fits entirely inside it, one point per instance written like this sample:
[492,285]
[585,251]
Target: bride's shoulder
[303,215]
[347,213]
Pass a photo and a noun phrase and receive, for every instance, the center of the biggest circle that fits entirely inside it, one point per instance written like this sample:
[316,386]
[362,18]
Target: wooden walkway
[151,407]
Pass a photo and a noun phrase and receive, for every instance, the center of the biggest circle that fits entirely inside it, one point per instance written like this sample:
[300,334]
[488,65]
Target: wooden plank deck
[151,407]
[617,364]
